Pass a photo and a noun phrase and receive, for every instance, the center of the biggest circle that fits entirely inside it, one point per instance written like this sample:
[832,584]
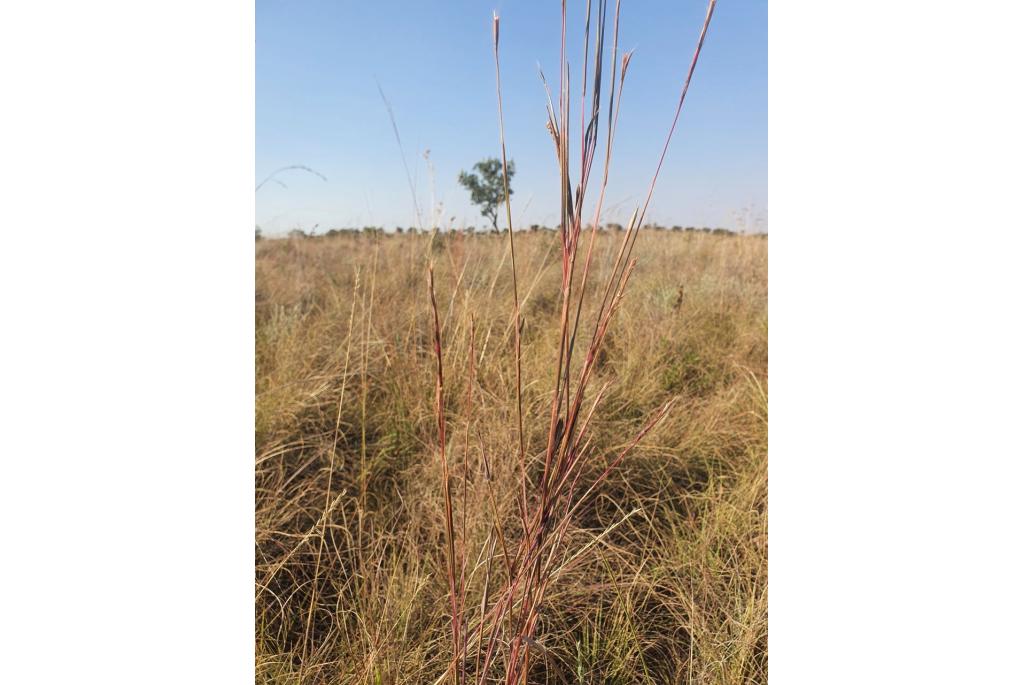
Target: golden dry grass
[663,574]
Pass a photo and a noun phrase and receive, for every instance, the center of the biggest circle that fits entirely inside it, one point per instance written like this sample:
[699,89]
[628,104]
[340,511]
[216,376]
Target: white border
[127,352]
[895,460]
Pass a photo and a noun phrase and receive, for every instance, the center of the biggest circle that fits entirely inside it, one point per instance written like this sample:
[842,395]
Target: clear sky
[318,63]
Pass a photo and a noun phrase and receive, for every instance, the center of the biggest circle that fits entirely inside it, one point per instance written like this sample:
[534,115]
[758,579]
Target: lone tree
[488,188]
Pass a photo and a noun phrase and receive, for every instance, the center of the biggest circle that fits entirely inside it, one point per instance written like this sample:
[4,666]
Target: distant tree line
[373,231]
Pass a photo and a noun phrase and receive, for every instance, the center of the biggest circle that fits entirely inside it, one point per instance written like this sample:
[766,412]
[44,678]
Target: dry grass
[662,573]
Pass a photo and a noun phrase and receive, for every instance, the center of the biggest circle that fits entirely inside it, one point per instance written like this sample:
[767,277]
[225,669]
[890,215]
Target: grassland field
[663,577]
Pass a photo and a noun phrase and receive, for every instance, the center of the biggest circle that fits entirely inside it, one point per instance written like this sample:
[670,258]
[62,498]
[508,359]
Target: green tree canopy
[487,186]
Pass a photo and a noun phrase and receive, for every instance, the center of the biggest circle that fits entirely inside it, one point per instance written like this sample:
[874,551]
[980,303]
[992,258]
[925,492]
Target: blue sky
[317,104]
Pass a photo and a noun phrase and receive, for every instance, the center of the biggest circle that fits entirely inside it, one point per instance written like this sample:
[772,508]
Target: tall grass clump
[503,630]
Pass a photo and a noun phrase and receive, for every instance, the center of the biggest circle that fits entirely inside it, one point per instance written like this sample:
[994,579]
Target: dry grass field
[661,575]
